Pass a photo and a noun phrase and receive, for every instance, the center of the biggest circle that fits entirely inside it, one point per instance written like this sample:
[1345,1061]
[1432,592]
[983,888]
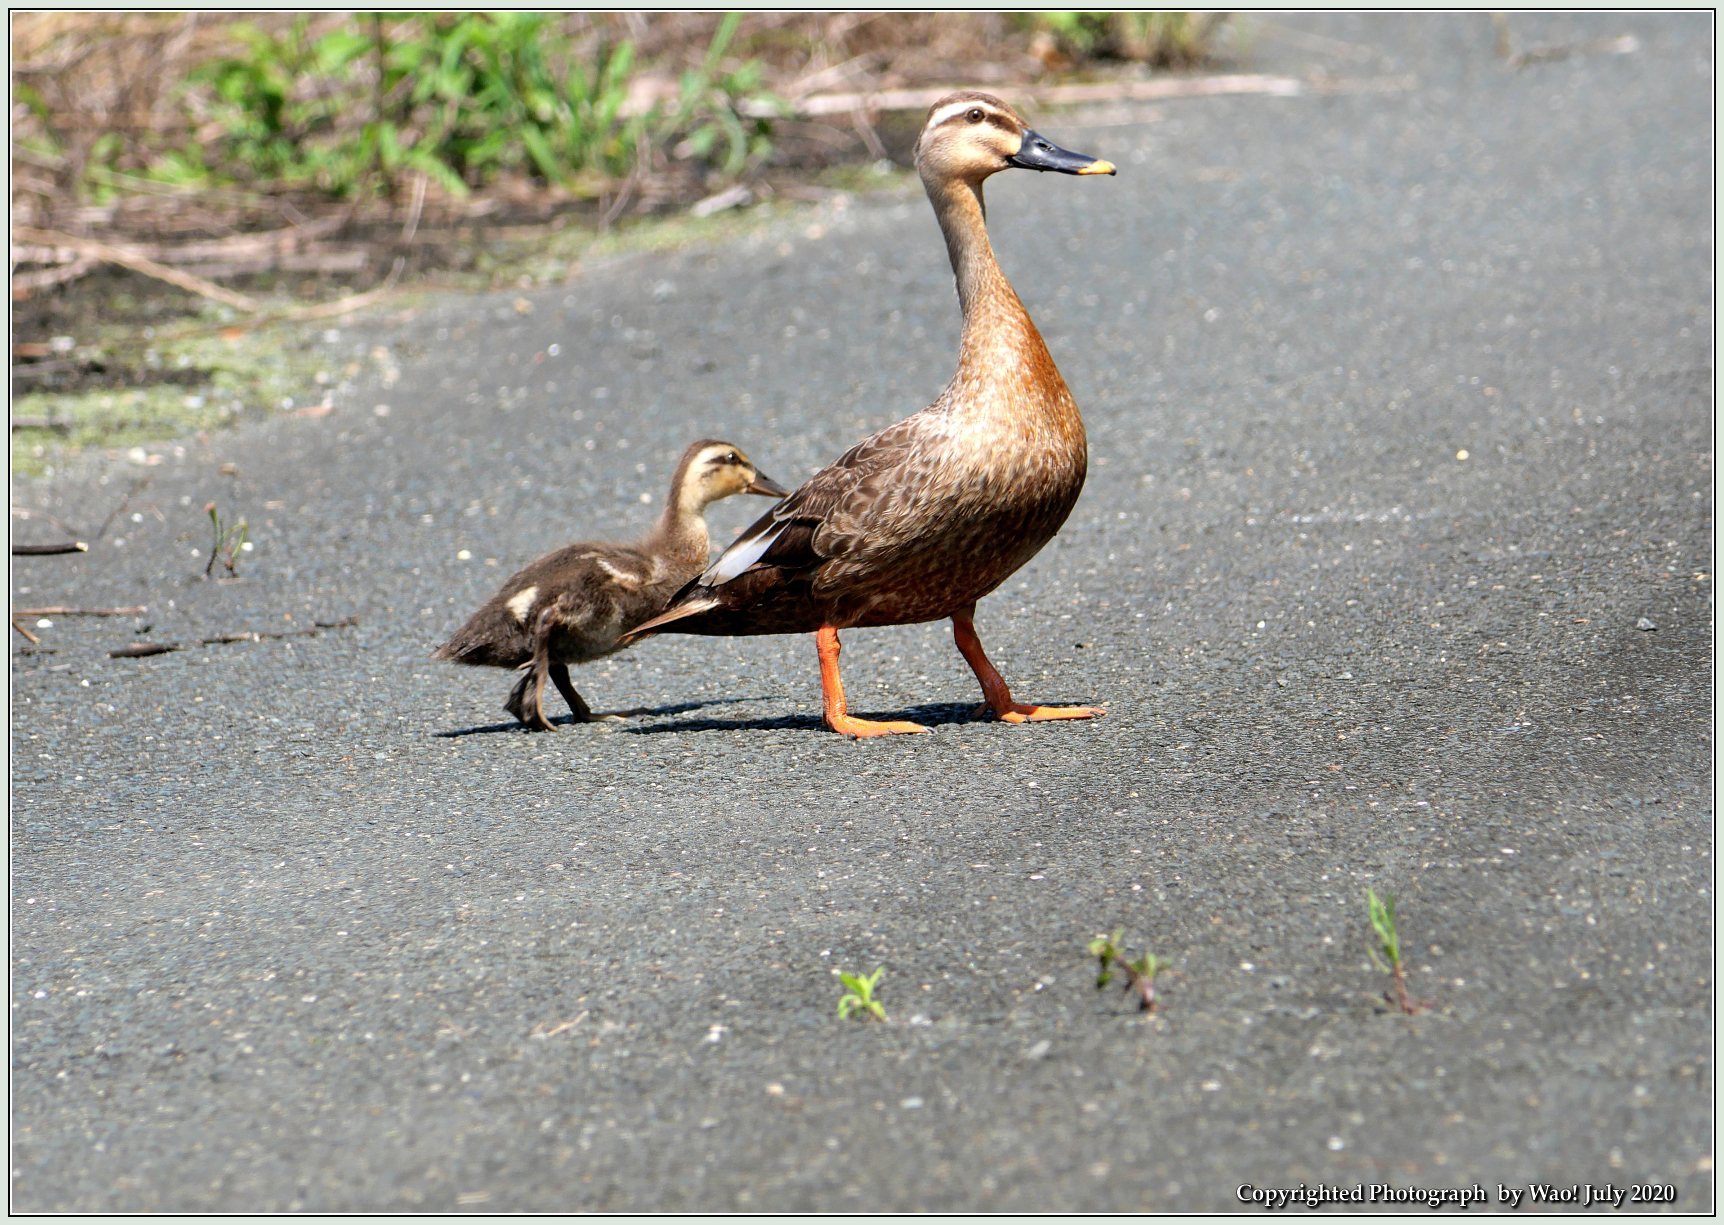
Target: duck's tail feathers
[691,605]
[464,650]
[488,639]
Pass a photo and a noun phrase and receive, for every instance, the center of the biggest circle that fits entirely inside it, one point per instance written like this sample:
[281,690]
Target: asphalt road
[1399,403]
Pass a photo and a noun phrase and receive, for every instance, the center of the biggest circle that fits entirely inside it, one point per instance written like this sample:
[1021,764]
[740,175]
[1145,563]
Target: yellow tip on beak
[1099,167]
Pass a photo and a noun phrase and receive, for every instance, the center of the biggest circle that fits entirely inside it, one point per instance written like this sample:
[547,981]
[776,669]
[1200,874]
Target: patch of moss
[224,380]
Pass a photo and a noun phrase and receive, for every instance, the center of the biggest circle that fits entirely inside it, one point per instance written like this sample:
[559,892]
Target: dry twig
[49,550]
[137,263]
[261,635]
[818,105]
[26,283]
[1622,44]
[139,650]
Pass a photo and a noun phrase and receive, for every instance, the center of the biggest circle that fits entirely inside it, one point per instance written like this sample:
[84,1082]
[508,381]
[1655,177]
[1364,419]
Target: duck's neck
[681,529]
[998,334]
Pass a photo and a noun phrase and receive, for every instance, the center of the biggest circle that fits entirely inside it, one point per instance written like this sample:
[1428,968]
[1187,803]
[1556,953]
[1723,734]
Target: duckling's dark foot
[999,696]
[583,713]
[526,701]
[835,710]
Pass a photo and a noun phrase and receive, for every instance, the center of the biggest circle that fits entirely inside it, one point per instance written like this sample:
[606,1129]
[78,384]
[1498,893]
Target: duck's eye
[733,458]
[975,115]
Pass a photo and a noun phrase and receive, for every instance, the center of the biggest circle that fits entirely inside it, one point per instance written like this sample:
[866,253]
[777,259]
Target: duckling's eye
[975,115]
[733,458]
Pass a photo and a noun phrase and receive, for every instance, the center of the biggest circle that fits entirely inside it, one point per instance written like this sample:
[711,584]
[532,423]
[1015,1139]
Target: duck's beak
[766,487]
[1039,153]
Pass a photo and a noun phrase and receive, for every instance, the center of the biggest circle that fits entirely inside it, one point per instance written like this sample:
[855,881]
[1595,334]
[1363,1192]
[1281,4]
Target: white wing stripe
[740,556]
[521,603]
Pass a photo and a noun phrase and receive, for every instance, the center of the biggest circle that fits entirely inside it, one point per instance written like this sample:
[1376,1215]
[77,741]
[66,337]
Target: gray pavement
[1400,417]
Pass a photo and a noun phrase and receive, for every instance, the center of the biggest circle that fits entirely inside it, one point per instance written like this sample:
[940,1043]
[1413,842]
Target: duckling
[924,518]
[572,605]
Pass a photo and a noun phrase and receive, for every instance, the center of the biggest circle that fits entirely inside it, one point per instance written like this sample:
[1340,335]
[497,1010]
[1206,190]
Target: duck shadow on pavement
[933,715]
[617,720]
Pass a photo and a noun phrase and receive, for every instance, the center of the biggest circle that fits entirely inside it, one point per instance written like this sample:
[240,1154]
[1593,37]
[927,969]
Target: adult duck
[929,515]
[572,605]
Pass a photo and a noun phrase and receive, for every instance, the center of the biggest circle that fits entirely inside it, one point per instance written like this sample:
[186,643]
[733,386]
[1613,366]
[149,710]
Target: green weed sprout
[1109,952]
[858,998]
[1386,955]
[227,541]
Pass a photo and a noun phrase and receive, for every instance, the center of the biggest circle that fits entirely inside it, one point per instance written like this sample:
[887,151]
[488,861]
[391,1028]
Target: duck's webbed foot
[994,688]
[527,700]
[1019,712]
[848,725]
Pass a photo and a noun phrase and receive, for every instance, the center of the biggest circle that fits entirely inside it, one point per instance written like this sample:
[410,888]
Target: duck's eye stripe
[954,111]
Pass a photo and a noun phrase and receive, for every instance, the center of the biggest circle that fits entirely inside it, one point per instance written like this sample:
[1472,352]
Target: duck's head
[969,136]
[712,469]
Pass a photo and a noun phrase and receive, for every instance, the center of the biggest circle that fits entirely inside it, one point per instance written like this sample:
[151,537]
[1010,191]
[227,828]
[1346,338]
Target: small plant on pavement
[1109,952]
[1386,954]
[227,541]
[858,998]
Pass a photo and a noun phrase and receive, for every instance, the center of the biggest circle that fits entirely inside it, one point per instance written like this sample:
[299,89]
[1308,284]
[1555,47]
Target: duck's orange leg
[994,685]
[836,710]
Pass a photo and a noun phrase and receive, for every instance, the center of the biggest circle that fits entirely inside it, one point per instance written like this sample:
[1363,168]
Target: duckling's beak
[1039,153]
[766,487]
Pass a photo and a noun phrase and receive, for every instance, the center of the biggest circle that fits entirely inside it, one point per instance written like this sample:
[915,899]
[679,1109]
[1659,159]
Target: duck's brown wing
[764,583]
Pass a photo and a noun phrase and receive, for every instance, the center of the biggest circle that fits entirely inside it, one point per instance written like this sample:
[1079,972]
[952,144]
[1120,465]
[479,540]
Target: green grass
[227,541]
[858,998]
[460,98]
[1386,953]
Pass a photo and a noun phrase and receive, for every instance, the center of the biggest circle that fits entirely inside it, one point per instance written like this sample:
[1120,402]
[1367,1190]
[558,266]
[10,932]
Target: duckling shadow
[511,726]
[933,715]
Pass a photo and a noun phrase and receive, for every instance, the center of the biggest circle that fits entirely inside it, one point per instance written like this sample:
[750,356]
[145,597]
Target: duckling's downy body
[926,517]
[572,605]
